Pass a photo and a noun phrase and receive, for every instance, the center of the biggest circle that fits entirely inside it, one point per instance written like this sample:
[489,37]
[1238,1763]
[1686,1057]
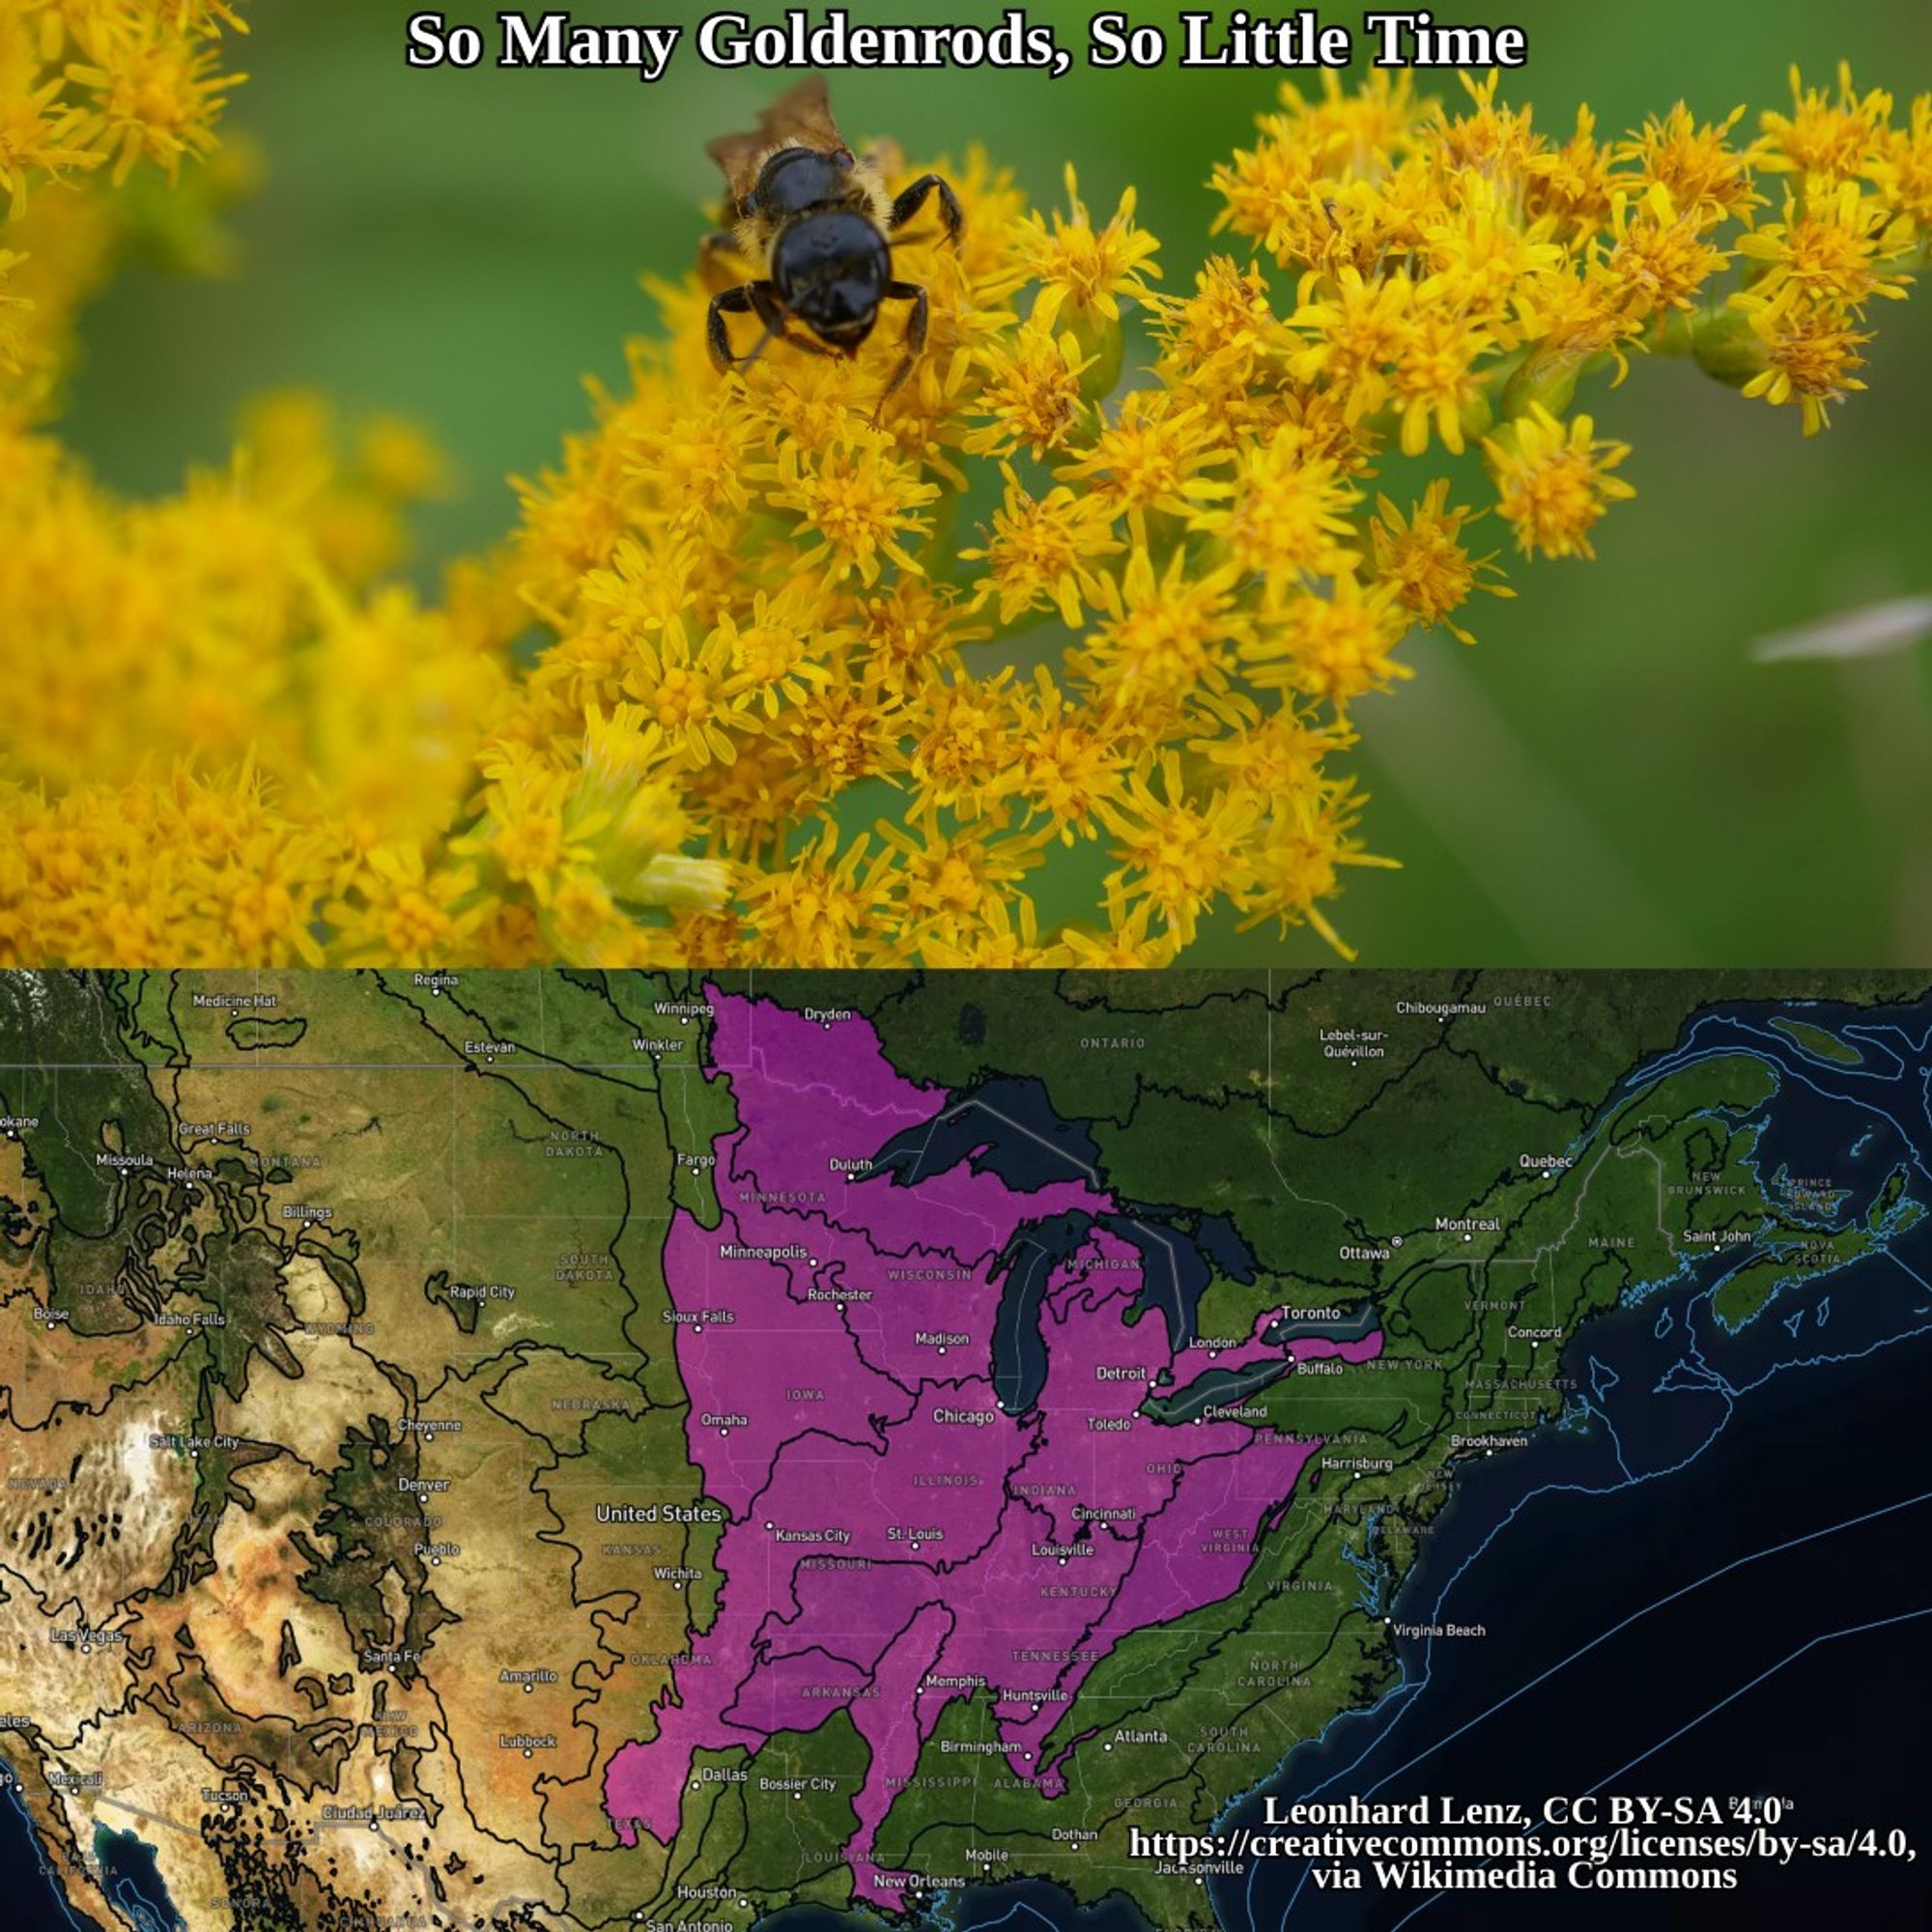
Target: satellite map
[579,1450]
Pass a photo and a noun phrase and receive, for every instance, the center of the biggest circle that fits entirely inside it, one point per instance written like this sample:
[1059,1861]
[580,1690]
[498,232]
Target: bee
[821,221]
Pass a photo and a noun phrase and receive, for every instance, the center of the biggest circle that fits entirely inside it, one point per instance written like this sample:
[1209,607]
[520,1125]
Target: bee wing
[800,118]
[802,115]
[1871,631]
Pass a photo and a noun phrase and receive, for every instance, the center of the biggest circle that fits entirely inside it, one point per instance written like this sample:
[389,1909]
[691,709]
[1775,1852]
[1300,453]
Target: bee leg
[915,336]
[761,300]
[776,318]
[738,301]
[915,198]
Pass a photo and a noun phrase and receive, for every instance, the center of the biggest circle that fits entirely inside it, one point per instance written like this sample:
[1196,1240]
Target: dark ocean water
[132,1879]
[34,1899]
[31,1895]
[1751,1624]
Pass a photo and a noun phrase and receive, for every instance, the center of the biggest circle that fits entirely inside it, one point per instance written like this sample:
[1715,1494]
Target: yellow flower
[1006,937]
[1281,754]
[1829,249]
[858,499]
[1829,139]
[627,814]
[821,910]
[1171,632]
[690,693]
[1567,322]
[1266,187]
[1293,866]
[1554,480]
[1486,138]
[1335,647]
[157,87]
[1032,392]
[948,882]
[1660,259]
[1422,556]
[395,912]
[1149,459]
[1574,183]
[764,616]
[912,628]
[852,731]
[526,834]
[1069,761]
[1085,272]
[694,466]
[963,750]
[1215,336]
[1043,552]
[41,134]
[1283,514]
[1355,129]
[780,650]
[1128,943]
[1694,164]
[1811,357]
[1351,336]
[1902,168]
[1480,250]
[1177,852]
[1434,382]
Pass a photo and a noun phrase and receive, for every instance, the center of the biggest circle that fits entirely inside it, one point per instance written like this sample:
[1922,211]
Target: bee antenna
[759,347]
[772,311]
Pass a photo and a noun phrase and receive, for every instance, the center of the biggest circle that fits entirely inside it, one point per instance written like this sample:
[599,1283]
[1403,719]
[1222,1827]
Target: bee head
[832,271]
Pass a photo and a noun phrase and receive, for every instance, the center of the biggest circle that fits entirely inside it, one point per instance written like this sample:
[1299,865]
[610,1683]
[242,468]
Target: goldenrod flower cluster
[90,92]
[217,713]
[274,719]
[1046,657]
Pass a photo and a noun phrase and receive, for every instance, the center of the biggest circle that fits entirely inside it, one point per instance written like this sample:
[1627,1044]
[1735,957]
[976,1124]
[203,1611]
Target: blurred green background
[1606,779]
